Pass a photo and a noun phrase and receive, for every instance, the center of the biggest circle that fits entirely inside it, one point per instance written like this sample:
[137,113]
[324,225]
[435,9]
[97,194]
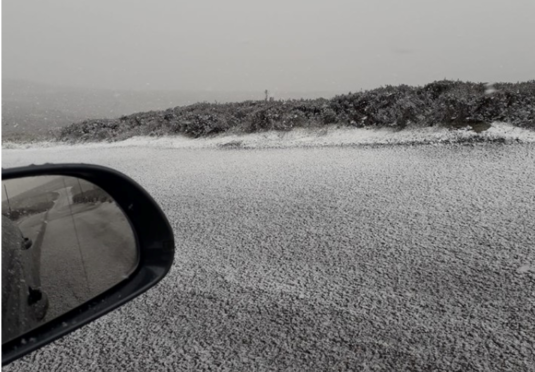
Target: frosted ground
[327,136]
[288,258]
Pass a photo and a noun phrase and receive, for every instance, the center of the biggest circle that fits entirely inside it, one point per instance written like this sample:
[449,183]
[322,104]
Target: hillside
[32,110]
[444,103]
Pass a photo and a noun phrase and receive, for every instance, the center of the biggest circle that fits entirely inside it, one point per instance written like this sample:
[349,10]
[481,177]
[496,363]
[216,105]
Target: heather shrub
[445,103]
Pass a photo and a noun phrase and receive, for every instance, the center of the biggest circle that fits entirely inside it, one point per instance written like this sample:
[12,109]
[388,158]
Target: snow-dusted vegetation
[328,136]
[451,104]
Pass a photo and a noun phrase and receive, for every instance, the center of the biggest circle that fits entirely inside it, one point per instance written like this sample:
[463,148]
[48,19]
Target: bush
[450,103]
[91,196]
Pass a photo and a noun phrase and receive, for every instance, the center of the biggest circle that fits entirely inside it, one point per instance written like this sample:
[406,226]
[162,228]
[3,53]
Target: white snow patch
[300,137]
[490,89]
[525,269]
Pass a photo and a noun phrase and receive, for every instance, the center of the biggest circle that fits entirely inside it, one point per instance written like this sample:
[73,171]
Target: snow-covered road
[366,258]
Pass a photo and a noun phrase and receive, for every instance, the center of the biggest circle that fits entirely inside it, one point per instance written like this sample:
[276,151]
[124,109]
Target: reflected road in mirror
[64,242]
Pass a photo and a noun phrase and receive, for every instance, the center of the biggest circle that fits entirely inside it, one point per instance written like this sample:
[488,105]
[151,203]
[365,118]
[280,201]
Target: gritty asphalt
[390,258]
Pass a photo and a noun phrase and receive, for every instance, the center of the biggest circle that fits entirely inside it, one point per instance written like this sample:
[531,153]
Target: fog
[244,45]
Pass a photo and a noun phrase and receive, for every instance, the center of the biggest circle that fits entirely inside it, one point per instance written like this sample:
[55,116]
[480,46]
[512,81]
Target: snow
[328,136]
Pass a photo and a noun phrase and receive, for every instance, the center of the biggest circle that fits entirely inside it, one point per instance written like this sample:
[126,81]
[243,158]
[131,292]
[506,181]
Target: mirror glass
[64,241]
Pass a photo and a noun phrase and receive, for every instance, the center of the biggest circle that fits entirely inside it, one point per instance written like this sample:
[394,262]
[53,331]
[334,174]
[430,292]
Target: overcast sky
[249,45]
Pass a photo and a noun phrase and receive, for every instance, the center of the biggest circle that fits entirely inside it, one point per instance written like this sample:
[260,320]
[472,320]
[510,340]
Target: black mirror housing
[153,234]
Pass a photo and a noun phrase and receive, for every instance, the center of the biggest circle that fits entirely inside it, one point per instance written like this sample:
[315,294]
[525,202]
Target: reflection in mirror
[64,241]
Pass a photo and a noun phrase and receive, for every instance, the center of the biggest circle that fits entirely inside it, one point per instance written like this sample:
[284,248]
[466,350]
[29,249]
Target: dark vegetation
[33,111]
[84,192]
[35,204]
[94,195]
[445,103]
[15,214]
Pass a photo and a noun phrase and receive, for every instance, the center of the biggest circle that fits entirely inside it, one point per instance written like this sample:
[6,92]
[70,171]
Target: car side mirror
[77,242]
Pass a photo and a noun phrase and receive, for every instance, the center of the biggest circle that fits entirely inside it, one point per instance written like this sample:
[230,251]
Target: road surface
[390,258]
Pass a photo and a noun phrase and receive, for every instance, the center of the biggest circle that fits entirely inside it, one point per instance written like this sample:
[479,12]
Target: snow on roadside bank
[328,136]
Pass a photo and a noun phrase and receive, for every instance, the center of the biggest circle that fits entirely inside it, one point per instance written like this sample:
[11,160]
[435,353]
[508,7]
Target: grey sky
[249,45]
